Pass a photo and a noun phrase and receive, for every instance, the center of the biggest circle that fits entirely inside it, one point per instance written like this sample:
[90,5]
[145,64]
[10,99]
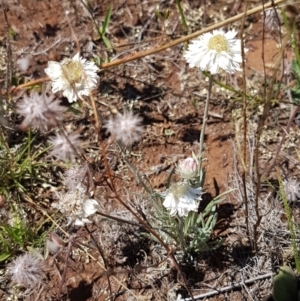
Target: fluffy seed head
[40,110]
[23,63]
[292,189]
[126,128]
[75,77]
[28,270]
[74,176]
[65,146]
[272,19]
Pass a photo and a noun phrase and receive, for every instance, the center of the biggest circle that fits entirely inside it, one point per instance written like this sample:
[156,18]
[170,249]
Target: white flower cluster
[76,206]
[75,77]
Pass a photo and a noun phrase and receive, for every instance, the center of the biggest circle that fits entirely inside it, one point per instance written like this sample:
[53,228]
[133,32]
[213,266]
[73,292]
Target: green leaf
[285,285]
[4,256]
[106,21]
[106,42]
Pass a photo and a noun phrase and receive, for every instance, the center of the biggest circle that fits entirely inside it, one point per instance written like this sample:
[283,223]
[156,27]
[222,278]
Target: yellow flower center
[218,43]
[179,189]
[73,71]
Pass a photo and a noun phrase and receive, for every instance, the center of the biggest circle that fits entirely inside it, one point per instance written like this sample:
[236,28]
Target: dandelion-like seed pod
[28,270]
[41,111]
[126,128]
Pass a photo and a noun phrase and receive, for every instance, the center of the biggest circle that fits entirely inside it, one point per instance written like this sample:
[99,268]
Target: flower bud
[187,168]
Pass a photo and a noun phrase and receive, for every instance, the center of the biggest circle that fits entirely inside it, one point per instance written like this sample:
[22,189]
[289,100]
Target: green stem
[292,232]
[202,133]
[290,224]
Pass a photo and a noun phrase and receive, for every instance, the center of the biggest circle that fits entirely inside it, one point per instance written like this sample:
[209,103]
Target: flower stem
[201,147]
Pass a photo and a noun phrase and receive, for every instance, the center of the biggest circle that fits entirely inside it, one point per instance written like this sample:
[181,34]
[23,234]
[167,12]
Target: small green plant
[20,171]
[103,28]
[19,166]
[283,195]
[17,237]
[162,15]
[175,214]
[182,17]
[191,234]
[295,91]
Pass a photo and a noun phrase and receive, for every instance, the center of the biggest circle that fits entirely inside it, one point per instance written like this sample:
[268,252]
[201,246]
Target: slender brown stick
[267,104]
[63,277]
[31,83]
[101,252]
[245,131]
[188,37]
[142,54]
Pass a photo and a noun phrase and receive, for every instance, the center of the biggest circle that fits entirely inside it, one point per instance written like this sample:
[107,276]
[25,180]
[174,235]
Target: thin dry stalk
[139,55]
[9,65]
[228,288]
[101,252]
[190,36]
[245,107]
[63,278]
[261,122]
[205,116]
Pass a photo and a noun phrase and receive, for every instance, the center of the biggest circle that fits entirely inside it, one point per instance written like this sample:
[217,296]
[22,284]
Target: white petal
[76,57]
[169,201]
[90,207]
[81,222]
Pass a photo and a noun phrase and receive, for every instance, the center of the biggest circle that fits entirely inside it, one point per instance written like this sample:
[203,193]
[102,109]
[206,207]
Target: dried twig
[228,288]
[139,55]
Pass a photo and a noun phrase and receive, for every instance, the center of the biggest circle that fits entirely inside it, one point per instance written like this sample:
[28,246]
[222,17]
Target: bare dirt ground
[170,98]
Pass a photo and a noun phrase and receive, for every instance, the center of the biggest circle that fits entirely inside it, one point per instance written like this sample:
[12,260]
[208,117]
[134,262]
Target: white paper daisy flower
[182,198]
[75,77]
[214,51]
